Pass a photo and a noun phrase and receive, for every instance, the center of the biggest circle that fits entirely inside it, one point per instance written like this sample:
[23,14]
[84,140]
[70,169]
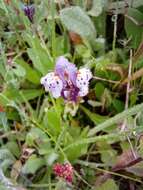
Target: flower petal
[83,92]
[53,84]
[66,70]
[85,73]
[82,81]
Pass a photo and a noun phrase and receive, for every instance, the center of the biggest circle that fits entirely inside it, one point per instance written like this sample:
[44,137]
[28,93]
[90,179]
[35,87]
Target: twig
[114,19]
[134,20]
[127,90]
[8,134]
[127,101]
[106,80]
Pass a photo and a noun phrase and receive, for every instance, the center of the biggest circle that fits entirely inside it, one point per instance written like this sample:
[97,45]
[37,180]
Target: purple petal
[29,11]
[70,93]
[65,70]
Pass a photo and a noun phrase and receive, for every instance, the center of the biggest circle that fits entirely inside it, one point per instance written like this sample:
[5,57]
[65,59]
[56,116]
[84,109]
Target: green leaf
[74,136]
[76,20]
[33,164]
[62,185]
[99,90]
[96,118]
[19,71]
[108,185]
[39,54]
[51,158]
[14,94]
[37,136]
[13,147]
[31,74]
[3,121]
[134,31]
[97,7]
[6,158]
[118,105]
[52,121]
[111,138]
[108,155]
[119,117]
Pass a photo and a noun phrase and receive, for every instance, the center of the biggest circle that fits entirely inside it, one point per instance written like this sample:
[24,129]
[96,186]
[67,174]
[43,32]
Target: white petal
[42,80]
[53,84]
[83,91]
[86,73]
[56,93]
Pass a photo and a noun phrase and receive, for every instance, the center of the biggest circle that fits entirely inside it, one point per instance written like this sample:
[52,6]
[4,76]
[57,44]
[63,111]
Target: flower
[29,11]
[64,171]
[67,81]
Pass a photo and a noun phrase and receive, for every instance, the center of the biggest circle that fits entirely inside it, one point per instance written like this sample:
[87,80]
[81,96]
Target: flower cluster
[29,11]
[67,81]
[64,171]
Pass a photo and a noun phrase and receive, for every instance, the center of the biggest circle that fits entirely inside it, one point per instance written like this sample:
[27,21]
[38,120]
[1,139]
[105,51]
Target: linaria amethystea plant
[67,81]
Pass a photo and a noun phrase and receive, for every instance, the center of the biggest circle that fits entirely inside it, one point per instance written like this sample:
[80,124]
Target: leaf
[99,90]
[75,38]
[52,122]
[97,7]
[61,185]
[19,71]
[135,32]
[51,158]
[126,159]
[75,134]
[16,169]
[108,185]
[37,136]
[136,169]
[6,158]
[119,117]
[96,118]
[3,121]
[108,154]
[119,6]
[111,138]
[13,93]
[118,105]
[31,74]
[39,55]
[76,20]
[33,164]
[13,147]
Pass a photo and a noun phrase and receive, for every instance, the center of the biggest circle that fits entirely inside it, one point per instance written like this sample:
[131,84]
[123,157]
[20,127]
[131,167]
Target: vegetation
[93,141]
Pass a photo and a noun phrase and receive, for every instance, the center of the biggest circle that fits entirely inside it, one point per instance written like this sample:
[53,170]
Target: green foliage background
[36,130]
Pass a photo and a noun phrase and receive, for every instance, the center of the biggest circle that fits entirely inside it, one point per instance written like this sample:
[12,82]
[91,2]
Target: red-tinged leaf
[1,109]
[7,1]
[75,38]
[126,159]
[136,169]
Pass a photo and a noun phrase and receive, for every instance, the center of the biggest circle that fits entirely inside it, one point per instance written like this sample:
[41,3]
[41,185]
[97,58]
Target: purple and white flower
[67,81]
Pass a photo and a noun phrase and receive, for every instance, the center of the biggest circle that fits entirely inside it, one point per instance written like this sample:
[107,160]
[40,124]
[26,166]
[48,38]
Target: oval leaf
[76,20]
